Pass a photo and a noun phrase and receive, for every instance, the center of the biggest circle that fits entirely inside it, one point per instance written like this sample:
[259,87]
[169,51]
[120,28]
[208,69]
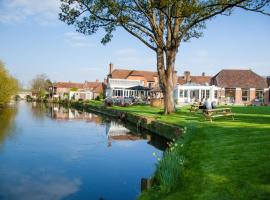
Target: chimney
[187,76]
[110,68]
[268,80]
[203,74]
[175,78]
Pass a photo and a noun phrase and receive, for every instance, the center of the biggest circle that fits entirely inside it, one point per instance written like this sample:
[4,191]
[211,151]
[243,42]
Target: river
[50,152]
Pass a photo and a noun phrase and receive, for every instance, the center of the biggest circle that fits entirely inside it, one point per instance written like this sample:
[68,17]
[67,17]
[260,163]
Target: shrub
[168,172]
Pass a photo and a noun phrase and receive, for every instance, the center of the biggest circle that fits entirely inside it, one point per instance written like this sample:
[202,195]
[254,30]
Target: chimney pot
[110,68]
[187,76]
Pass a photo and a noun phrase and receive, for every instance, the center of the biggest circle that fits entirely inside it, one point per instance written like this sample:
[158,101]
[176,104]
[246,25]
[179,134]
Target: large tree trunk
[166,78]
[169,106]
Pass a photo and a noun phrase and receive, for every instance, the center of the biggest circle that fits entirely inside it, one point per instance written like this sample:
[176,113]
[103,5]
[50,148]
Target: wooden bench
[219,112]
[194,108]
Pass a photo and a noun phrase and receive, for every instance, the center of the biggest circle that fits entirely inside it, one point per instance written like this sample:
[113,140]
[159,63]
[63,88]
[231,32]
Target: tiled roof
[202,80]
[230,78]
[124,74]
[69,85]
[94,86]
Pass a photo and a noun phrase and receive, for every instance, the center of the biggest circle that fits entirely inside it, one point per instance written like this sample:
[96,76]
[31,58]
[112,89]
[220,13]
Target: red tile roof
[124,74]
[69,85]
[94,86]
[230,78]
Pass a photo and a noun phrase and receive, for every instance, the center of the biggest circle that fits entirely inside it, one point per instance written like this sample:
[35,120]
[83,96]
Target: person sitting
[214,104]
[202,104]
[207,104]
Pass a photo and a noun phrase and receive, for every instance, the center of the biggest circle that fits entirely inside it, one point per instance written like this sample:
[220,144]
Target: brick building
[85,91]
[241,87]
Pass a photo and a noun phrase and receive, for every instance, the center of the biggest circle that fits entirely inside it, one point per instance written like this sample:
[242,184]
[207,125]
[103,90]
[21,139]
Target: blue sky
[34,41]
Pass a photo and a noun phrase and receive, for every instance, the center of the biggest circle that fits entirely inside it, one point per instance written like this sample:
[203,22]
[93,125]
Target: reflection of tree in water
[40,110]
[7,116]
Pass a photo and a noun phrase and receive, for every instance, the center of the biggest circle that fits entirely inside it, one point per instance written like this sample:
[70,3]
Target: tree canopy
[40,85]
[8,85]
[151,21]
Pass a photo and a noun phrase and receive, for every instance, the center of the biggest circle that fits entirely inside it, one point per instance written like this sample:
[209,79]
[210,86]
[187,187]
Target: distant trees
[40,86]
[8,85]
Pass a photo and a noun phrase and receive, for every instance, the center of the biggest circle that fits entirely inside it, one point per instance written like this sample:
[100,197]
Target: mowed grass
[225,159]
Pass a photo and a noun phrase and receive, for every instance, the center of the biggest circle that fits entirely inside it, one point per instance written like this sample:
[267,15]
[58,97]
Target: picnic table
[194,108]
[218,112]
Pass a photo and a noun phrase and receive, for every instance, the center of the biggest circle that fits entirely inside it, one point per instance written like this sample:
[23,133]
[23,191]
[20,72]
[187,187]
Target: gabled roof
[124,74]
[69,85]
[94,86]
[237,78]
[201,80]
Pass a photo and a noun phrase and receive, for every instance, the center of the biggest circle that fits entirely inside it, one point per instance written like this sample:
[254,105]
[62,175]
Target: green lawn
[223,160]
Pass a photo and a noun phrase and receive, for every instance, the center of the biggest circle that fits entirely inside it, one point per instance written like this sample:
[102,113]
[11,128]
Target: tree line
[8,85]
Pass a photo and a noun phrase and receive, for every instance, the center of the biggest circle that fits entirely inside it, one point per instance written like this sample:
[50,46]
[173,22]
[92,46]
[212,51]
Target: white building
[81,94]
[191,92]
[123,88]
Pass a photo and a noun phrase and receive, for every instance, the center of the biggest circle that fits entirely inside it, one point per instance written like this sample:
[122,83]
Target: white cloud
[44,12]
[78,40]
[44,186]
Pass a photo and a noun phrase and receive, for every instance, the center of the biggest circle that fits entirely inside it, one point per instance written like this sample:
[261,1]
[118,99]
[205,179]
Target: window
[181,93]
[150,85]
[216,94]
[207,94]
[203,94]
[114,93]
[259,95]
[185,93]
[245,94]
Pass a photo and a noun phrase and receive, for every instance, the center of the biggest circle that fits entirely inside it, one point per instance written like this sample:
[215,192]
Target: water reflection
[7,116]
[61,153]
[115,130]
[48,186]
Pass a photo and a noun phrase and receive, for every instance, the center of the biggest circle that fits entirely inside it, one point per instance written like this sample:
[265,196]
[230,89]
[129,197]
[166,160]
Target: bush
[28,98]
[100,97]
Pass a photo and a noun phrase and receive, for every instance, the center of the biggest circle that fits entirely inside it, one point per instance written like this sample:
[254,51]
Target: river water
[50,152]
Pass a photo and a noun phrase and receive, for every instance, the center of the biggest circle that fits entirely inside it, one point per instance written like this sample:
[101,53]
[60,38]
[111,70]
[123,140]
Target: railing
[124,83]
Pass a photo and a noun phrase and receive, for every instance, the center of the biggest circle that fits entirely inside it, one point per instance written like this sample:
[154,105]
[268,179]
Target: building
[76,91]
[190,89]
[131,83]
[241,87]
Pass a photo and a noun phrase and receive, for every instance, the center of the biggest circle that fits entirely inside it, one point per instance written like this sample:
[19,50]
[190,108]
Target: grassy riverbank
[221,160]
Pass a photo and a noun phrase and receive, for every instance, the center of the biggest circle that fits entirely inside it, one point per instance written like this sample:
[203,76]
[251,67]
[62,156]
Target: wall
[138,78]
[252,95]
[266,96]
[238,96]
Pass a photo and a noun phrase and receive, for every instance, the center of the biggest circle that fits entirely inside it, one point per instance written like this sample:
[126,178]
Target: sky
[33,41]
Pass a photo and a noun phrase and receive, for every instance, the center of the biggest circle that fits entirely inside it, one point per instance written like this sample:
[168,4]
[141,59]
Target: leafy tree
[162,25]
[8,85]
[40,85]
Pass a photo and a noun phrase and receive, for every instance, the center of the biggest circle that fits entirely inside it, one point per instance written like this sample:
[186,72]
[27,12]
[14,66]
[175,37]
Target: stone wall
[141,122]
